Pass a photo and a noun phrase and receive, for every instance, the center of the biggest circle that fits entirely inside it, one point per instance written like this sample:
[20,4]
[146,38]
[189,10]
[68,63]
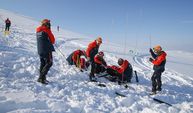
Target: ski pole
[136,77]
[60,51]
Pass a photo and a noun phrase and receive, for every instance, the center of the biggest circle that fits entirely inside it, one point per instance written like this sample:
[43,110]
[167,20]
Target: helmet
[120,61]
[99,40]
[157,48]
[101,53]
[45,21]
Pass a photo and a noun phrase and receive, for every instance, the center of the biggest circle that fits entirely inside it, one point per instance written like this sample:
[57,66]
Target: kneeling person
[123,72]
[76,58]
[99,65]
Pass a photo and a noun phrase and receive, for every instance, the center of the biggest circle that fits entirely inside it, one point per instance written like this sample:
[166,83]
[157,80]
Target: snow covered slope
[69,90]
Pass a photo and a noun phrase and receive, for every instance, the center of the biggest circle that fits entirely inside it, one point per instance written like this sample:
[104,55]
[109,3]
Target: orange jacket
[123,67]
[159,59]
[91,46]
[48,31]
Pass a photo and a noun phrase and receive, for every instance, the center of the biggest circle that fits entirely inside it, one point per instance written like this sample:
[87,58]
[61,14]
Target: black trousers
[46,63]
[96,68]
[156,81]
[7,26]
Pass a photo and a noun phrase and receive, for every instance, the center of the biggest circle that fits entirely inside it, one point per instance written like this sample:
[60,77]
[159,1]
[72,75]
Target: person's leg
[159,82]
[42,64]
[48,63]
[6,28]
[91,76]
[113,75]
[154,83]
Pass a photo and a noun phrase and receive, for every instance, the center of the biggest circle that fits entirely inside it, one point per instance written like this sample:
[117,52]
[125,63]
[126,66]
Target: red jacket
[123,67]
[99,60]
[159,59]
[91,46]
[7,21]
[48,31]
[76,55]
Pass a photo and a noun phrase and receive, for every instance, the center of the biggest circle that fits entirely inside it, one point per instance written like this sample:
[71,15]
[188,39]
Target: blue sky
[168,22]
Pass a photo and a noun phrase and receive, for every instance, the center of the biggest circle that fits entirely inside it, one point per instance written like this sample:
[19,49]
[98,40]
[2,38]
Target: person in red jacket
[123,72]
[7,24]
[91,51]
[45,41]
[159,61]
[76,58]
[100,64]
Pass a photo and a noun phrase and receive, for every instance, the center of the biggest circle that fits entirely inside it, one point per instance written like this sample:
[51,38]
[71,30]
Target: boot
[153,93]
[92,78]
[42,79]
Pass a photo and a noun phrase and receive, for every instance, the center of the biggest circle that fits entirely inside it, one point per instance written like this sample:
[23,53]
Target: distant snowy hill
[69,90]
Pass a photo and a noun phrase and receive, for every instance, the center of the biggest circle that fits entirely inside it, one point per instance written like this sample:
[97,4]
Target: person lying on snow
[122,73]
[99,65]
[77,58]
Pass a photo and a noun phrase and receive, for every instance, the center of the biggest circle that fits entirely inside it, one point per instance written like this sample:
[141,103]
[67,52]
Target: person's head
[99,40]
[120,61]
[101,54]
[157,49]
[46,22]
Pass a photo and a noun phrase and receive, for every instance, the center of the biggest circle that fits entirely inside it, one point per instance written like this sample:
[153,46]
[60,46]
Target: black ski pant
[7,26]
[116,76]
[156,81]
[46,63]
[96,68]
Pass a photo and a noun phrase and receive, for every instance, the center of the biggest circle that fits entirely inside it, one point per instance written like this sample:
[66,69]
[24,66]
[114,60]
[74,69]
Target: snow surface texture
[69,90]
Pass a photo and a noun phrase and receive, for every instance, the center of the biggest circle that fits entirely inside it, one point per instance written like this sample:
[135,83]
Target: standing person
[7,24]
[45,41]
[91,51]
[58,28]
[159,61]
[123,72]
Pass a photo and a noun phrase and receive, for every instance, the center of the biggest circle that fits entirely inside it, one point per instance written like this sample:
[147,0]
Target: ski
[119,94]
[104,75]
[161,101]
[96,82]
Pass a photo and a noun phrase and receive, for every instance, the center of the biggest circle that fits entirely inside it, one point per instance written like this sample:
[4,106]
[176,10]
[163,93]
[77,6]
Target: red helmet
[101,53]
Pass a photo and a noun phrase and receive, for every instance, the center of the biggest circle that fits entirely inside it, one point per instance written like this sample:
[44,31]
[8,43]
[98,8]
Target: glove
[150,50]
[150,59]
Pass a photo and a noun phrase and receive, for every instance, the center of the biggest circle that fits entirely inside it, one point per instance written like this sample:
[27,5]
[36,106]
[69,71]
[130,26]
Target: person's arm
[51,36]
[152,53]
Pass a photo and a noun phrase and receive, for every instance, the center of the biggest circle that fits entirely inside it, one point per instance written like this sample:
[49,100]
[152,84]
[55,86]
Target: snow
[69,90]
